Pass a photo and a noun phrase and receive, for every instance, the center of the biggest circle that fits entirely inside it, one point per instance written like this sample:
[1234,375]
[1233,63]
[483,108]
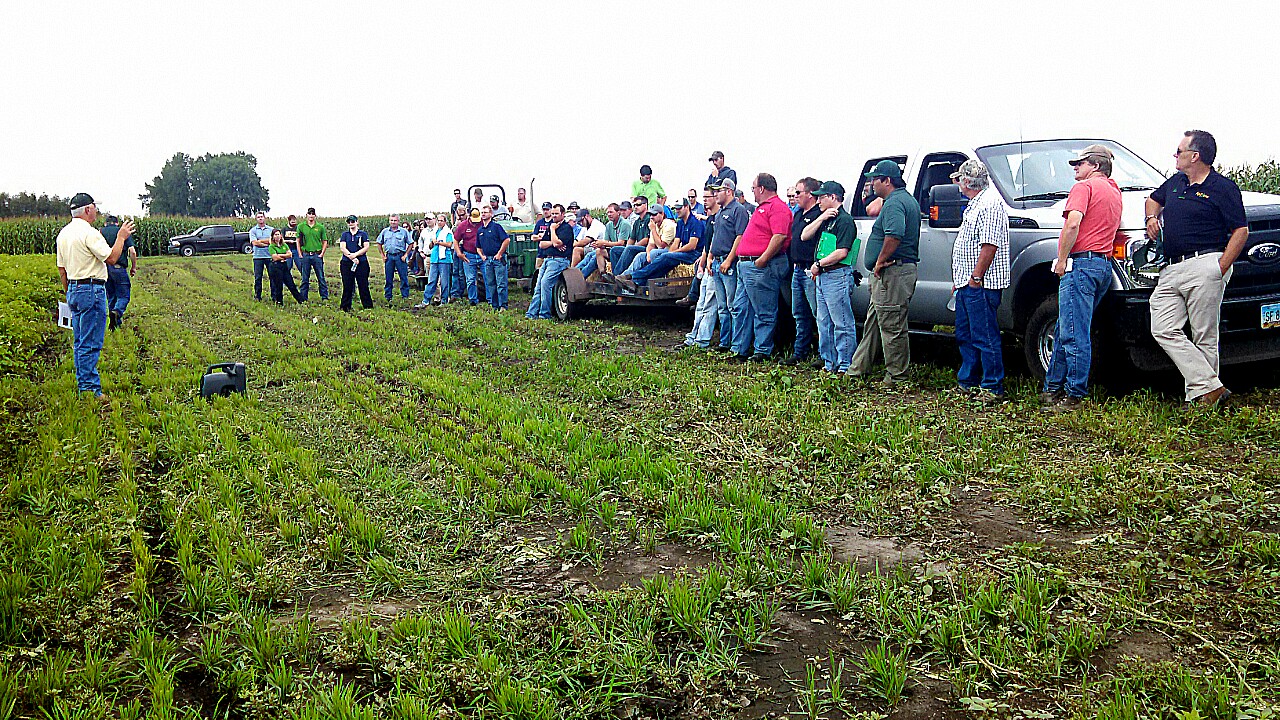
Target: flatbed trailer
[573,291]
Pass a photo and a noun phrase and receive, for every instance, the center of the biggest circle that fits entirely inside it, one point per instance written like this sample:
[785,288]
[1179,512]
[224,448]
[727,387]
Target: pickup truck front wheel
[1037,339]
[187,251]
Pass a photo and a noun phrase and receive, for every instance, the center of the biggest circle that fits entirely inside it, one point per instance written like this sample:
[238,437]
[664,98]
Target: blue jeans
[804,299]
[540,305]
[441,274]
[663,264]
[88,305]
[470,269]
[644,258]
[762,288]
[259,267]
[837,331]
[978,337]
[588,263]
[395,263]
[726,295]
[704,316]
[296,260]
[495,282]
[118,289]
[312,261]
[1079,293]
[621,257]
[459,277]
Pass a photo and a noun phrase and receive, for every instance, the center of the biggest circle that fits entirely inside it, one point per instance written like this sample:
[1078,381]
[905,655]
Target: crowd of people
[742,253]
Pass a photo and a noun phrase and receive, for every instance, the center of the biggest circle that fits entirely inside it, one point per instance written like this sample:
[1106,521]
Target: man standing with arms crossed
[1204,232]
[83,256]
[1084,271]
[395,241]
[291,241]
[804,293]
[260,239]
[556,246]
[313,241]
[891,256]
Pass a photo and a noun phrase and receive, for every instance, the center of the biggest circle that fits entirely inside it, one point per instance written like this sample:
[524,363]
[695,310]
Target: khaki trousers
[1190,293]
[886,325]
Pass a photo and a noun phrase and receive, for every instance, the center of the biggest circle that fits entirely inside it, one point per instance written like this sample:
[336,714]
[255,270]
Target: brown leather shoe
[1213,398]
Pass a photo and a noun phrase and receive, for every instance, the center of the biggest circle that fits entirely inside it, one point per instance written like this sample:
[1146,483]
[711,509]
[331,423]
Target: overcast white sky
[370,106]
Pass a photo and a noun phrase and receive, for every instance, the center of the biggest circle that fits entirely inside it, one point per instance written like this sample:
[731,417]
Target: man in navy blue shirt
[684,251]
[492,241]
[119,276]
[555,247]
[1204,232]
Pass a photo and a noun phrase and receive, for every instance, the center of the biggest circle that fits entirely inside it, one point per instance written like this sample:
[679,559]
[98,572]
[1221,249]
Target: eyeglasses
[1178,153]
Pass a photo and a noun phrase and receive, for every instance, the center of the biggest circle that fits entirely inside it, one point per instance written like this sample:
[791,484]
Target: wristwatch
[976,279]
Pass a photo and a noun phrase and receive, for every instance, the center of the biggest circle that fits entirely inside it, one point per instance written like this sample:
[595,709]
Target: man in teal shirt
[893,249]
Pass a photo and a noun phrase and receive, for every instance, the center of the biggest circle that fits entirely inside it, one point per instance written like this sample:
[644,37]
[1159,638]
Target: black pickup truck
[210,238]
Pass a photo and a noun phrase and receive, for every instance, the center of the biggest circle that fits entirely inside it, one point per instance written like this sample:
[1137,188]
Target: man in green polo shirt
[648,187]
[313,241]
[893,249]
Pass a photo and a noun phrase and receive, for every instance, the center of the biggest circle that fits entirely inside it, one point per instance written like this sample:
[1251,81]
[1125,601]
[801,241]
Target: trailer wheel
[560,305]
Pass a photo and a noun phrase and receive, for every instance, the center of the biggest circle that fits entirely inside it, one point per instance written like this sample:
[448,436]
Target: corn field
[25,236]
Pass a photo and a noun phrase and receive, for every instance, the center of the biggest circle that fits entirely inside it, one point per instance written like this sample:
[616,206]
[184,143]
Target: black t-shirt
[1199,217]
[709,232]
[109,233]
[539,233]
[565,233]
[801,252]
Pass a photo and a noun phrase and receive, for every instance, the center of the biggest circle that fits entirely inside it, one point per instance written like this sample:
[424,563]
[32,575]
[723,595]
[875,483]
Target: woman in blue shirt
[354,244]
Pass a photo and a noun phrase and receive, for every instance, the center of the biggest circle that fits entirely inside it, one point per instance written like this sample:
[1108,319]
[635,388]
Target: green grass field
[455,513]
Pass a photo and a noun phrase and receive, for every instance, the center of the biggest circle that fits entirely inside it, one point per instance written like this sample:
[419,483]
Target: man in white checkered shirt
[980,271]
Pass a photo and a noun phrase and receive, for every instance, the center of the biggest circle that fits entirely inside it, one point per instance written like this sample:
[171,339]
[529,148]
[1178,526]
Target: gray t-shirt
[731,222]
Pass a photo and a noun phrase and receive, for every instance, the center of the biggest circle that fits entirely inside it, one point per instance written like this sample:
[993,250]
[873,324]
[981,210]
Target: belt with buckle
[89,281]
[1173,260]
[748,258]
[1088,254]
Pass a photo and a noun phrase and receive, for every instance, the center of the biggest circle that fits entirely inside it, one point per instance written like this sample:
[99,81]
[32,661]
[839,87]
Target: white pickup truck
[1034,179]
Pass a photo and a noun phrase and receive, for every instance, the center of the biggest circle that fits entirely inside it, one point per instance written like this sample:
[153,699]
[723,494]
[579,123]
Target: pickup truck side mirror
[946,206]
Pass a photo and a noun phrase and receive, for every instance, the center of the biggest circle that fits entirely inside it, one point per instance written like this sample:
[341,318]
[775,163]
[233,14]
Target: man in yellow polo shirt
[83,256]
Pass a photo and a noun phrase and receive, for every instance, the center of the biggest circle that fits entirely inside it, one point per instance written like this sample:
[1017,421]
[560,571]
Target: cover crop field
[454,513]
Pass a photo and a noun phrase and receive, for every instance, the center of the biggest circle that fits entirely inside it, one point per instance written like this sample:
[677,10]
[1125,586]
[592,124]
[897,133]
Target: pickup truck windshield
[1026,172]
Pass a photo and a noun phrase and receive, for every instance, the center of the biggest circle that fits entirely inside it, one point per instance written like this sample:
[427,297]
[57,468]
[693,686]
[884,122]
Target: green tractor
[523,252]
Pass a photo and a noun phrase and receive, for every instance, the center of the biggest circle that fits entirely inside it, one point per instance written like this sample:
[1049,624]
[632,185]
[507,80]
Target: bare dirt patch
[628,569]
[858,546]
[1146,645]
[990,526]
[328,607]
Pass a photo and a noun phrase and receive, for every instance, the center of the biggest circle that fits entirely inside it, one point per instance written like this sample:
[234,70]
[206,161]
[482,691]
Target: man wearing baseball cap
[1085,245]
[620,257]
[979,275]
[719,171]
[465,234]
[82,258]
[458,202]
[835,236]
[891,256]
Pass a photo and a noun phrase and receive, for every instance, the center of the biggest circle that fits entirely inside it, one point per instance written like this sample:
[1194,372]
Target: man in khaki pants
[891,256]
[1204,232]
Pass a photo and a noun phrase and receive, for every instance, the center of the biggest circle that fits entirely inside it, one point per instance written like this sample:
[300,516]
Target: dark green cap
[830,187]
[887,169]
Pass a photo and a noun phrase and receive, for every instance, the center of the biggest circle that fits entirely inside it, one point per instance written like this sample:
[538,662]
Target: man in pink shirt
[1084,268]
[763,263]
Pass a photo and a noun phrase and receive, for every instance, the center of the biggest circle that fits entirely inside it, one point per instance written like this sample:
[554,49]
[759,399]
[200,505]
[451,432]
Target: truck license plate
[1271,316]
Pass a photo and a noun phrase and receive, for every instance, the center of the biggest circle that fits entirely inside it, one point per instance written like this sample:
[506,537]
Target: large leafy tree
[170,192]
[211,185]
[29,204]
[226,184]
